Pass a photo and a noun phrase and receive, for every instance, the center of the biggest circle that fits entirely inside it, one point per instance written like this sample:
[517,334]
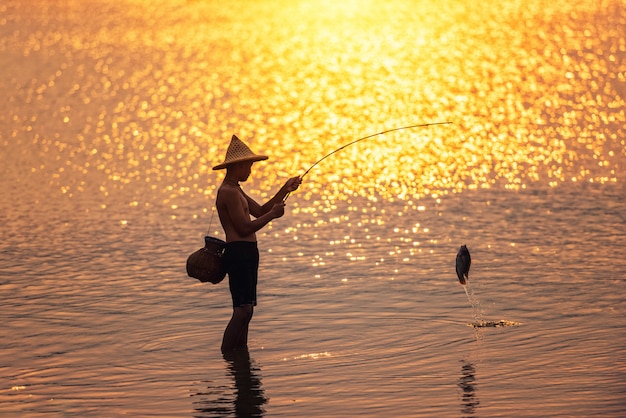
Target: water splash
[476,311]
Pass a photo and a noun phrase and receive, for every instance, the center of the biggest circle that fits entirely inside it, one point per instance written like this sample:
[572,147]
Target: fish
[463,261]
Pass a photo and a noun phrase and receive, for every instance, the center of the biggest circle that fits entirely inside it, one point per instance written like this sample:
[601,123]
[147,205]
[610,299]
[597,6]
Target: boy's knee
[244,311]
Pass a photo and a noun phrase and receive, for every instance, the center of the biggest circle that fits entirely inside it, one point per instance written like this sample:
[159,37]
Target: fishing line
[423,125]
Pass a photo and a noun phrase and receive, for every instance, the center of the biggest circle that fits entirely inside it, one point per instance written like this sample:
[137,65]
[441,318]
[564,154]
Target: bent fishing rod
[423,125]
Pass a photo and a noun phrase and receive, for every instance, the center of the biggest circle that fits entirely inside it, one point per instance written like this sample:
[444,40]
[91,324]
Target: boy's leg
[242,341]
[236,332]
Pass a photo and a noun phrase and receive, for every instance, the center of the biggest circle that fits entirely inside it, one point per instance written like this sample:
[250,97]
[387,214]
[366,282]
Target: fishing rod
[368,137]
[423,125]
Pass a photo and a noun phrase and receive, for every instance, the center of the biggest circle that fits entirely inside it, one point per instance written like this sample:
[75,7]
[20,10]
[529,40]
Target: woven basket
[206,264]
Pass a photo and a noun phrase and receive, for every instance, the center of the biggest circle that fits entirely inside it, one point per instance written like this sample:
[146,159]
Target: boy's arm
[257,210]
[241,222]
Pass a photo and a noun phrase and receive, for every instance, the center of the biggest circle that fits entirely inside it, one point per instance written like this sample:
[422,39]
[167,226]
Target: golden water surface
[114,113]
[535,92]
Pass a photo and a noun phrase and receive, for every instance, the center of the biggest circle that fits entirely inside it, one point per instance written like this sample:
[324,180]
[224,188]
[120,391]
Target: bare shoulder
[227,193]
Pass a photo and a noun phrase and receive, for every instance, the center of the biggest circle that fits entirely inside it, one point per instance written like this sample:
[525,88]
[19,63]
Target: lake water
[113,114]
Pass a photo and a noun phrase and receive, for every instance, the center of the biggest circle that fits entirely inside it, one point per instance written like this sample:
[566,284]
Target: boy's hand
[278,210]
[293,183]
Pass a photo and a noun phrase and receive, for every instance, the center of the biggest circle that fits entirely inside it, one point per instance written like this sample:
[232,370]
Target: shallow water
[115,114]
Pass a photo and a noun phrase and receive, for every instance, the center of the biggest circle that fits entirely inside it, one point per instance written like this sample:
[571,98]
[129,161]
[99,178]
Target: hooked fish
[463,261]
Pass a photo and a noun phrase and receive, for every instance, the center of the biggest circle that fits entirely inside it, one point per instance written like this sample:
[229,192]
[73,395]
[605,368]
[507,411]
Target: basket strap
[211,219]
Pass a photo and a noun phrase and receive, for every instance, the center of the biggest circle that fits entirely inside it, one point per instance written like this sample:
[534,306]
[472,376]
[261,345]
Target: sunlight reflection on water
[115,113]
[537,102]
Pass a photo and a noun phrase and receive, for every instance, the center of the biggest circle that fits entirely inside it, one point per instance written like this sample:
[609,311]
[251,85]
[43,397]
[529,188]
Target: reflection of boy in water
[241,257]
[250,396]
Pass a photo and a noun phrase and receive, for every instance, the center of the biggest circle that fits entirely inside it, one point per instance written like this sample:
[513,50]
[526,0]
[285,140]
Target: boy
[241,256]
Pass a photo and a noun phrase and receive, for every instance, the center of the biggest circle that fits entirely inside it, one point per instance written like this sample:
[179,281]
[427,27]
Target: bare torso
[232,205]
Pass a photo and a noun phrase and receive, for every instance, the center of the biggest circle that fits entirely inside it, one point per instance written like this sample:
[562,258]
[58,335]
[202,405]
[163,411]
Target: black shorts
[241,259]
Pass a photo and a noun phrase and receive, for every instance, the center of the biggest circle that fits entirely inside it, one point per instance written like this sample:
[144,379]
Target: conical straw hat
[237,152]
